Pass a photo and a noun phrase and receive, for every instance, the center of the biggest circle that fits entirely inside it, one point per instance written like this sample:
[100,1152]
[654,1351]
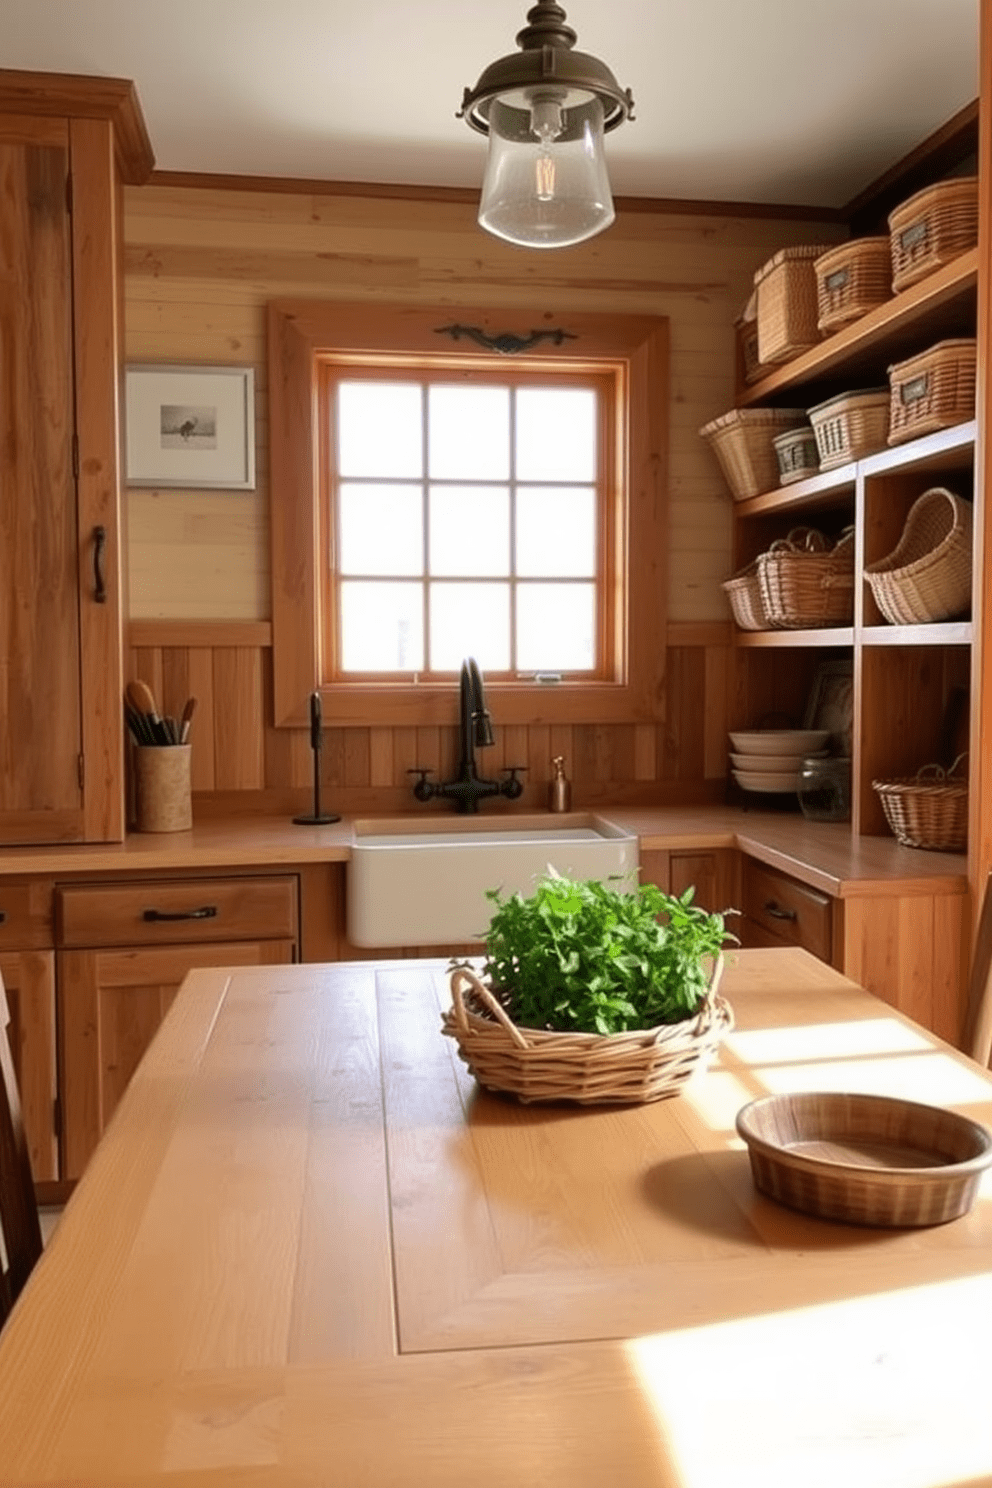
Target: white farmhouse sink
[415,883]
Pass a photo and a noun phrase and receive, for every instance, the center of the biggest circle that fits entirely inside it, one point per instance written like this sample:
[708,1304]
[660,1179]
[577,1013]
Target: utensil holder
[162,798]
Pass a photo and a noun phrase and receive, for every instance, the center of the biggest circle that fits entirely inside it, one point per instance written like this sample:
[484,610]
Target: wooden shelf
[835,635]
[819,490]
[940,306]
[948,633]
[949,449]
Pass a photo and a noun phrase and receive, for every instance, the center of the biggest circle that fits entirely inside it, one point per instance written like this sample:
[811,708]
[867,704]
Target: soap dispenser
[559,790]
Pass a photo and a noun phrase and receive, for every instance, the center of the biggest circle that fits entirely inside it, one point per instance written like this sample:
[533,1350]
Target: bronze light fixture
[546,109]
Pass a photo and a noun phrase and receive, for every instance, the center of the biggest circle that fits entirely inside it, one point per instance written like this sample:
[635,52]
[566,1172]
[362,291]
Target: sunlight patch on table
[885,1391]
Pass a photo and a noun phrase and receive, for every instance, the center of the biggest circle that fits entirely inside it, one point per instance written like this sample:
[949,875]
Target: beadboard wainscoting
[228,668]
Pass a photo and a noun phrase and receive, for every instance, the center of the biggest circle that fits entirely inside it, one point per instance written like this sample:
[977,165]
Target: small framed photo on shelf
[831,703]
[191,426]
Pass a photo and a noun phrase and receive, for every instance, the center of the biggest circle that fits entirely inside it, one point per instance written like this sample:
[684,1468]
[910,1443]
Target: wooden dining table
[310,1251]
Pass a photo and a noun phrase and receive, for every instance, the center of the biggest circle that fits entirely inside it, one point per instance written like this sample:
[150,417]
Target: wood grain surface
[308,1249]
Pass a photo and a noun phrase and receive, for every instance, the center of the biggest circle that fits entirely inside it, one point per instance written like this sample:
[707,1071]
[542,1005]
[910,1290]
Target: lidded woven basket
[933,228]
[852,279]
[588,1068]
[927,576]
[787,306]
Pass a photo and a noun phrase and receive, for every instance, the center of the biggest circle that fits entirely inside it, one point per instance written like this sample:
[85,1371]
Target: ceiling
[785,101]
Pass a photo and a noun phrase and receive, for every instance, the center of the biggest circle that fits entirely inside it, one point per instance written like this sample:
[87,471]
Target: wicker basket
[851,280]
[927,576]
[744,594]
[797,454]
[589,1068]
[787,309]
[850,426]
[746,331]
[934,390]
[805,584]
[934,227]
[929,809]
[742,442]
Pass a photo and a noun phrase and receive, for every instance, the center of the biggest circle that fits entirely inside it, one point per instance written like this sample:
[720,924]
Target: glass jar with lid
[824,788]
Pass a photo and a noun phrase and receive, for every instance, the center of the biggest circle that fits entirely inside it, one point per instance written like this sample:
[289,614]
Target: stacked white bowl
[770,759]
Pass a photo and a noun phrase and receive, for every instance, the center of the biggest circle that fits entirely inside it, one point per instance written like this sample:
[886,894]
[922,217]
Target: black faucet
[476,731]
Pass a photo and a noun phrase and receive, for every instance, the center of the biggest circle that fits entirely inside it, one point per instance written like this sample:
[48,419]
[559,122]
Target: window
[431,501]
[480,526]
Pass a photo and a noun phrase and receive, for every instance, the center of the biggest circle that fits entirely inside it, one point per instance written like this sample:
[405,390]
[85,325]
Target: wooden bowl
[865,1159]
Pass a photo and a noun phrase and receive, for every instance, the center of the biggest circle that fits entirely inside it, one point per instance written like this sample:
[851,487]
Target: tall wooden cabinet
[65,146]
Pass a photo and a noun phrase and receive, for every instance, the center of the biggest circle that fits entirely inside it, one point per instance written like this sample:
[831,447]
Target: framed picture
[831,703]
[191,426]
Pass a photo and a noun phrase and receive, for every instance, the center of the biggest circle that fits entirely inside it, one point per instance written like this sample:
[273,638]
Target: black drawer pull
[208,912]
[99,582]
[2,916]
[778,913]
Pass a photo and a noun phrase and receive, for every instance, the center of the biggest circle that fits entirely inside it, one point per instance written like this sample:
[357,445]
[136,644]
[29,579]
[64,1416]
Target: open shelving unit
[911,682]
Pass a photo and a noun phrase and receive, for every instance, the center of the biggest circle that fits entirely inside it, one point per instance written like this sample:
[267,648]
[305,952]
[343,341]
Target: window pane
[469,433]
[470,530]
[556,627]
[556,531]
[382,627]
[380,429]
[381,529]
[556,434]
[470,620]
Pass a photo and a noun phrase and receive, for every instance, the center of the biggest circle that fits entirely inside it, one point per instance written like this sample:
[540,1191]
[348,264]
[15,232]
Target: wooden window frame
[300,333]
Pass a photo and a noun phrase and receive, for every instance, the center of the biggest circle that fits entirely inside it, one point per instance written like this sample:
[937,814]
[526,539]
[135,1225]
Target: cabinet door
[29,979]
[41,740]
[111,1002]
[713,873]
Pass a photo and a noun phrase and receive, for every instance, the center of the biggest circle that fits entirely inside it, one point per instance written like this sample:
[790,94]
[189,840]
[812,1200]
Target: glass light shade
[548,191]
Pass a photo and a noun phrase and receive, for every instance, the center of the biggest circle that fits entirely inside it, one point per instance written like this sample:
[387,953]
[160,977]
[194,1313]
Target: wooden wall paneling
[200,679]
[716,684]
[97,246]
[357,763]
[238,719]
[645,751]
[381,757]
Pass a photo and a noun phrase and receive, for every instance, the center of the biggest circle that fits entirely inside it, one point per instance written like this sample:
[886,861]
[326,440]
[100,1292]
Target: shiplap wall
[201,266]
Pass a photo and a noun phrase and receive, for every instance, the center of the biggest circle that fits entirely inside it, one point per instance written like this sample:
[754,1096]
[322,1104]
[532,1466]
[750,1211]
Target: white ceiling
[802,101]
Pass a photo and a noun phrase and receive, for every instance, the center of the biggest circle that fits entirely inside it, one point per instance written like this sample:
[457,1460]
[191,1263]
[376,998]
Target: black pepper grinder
[319,818]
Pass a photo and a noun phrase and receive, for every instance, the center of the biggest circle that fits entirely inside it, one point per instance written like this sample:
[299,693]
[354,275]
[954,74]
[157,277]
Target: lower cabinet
[712,872]
[780,910]
[123,951]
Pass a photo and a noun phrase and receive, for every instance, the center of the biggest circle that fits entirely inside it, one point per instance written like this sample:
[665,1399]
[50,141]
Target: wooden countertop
[308,1250]
[822,854]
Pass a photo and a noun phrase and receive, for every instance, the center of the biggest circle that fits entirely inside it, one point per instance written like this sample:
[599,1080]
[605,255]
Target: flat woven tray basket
[588,1068]
[928,809]
[927,576]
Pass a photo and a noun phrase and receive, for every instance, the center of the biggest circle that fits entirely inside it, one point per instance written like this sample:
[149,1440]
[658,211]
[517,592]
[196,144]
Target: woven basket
[934,390]
[805,584]
[787,308]
[589,1068]
[746,331]
[934,227]
[927,576]
[742,442]
[743,592]
[851,280]
[850,426]
[928,809]
[797,454]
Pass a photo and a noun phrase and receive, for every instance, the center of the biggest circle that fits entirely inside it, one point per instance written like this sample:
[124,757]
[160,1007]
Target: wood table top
[309,1251]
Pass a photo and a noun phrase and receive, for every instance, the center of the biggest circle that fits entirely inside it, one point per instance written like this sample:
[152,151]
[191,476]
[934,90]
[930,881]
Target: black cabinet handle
[2,916]
[208,912]
[99,582]
[778,913]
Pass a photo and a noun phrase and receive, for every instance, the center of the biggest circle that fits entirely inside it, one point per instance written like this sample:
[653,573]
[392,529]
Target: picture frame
[191,427]
[831,703]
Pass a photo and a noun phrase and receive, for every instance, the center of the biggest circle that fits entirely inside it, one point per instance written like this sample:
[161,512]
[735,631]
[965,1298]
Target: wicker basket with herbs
[588,996]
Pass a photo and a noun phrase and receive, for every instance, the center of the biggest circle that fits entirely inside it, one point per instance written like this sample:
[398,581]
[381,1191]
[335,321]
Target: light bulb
[544,177]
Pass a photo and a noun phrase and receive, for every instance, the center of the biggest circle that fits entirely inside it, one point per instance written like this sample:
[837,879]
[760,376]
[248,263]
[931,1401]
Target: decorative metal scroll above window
[506,343]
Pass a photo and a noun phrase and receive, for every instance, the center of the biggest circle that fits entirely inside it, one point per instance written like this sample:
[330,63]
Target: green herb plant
[589,958]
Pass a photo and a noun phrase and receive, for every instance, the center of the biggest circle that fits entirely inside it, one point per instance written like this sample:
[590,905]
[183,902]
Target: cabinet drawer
[157,912]
[787,909]
[25,914]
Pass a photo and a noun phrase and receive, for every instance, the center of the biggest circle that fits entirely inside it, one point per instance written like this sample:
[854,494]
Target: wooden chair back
[20,1229]
[978,1023]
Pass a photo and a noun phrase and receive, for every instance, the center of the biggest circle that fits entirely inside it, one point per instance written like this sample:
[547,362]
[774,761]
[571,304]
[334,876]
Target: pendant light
[545,110]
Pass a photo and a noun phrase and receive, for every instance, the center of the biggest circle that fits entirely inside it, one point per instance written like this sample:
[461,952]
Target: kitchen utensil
[185,721]
[865,1159]
[142,700]
[317,818]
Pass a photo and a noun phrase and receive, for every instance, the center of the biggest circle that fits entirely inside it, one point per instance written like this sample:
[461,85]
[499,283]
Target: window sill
[359,705]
